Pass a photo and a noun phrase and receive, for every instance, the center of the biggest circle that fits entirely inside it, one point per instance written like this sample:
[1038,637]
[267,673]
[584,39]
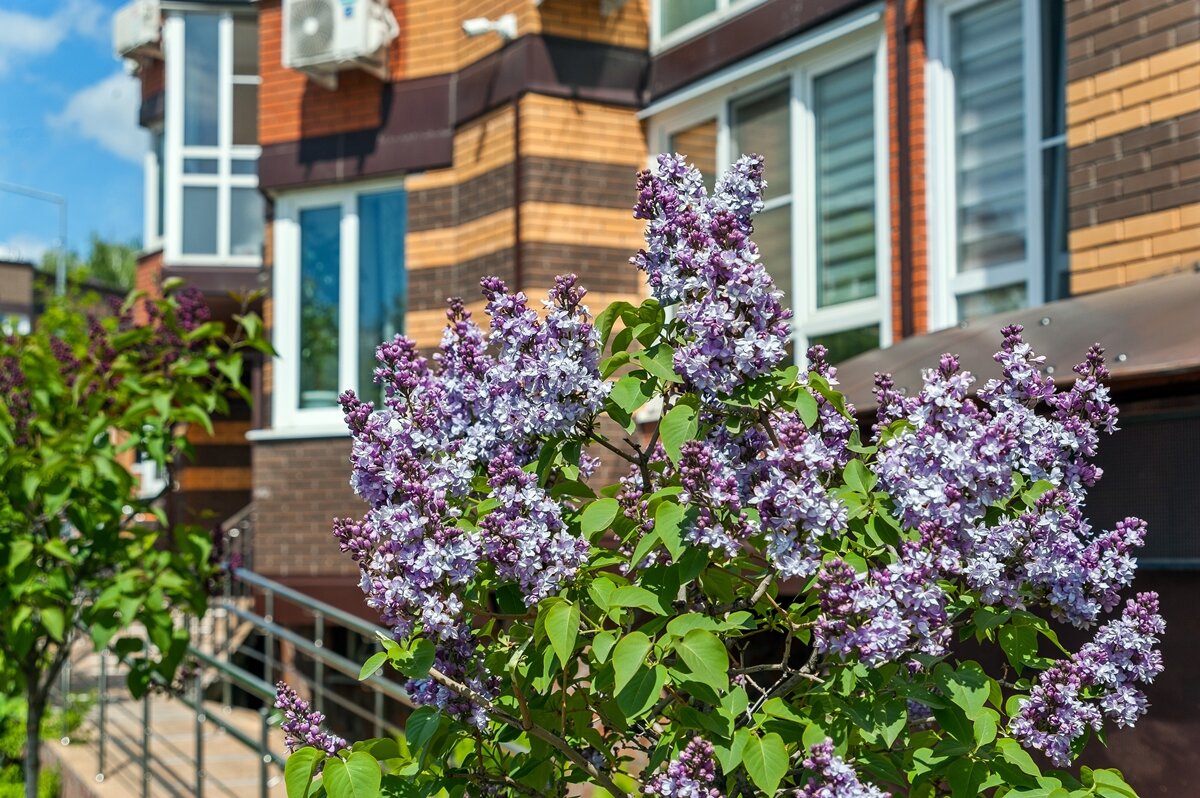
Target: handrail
[308,602]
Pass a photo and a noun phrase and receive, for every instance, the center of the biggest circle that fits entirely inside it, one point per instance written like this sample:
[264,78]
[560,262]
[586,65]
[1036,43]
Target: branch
[544,735]
[624,455]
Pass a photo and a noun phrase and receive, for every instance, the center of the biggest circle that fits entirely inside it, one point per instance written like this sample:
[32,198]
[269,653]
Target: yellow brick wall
[1129,250]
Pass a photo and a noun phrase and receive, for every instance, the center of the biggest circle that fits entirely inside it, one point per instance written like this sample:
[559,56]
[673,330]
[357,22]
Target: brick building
[931,164]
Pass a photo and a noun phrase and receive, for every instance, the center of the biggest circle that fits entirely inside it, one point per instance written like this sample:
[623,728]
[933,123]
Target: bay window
[212,211]
[820,123]
[997,209]
[340,289]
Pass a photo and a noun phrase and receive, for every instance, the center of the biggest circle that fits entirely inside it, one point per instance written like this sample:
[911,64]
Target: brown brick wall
[153,76]
[915,160]
[1133,128]
[299,488]
[16,286]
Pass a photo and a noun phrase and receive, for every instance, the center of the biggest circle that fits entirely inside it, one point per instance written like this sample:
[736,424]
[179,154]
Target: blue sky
[68,125]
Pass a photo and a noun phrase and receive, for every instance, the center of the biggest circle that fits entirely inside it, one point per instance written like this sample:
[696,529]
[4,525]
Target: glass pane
[993,300]
[844,107]
[1054,206]
[674,14]
[245,113]
[199,220]
[243,166]
[760,125]
[698,144]
[382,279]
[845,345]
[320,284]
[773,234]
[990,134]
[201,44]
[246,222]
[1054,71]
[160,186]
[199,166]
[245,46]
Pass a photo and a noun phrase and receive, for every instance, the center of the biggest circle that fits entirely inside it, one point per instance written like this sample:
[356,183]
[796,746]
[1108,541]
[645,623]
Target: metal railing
[238,650]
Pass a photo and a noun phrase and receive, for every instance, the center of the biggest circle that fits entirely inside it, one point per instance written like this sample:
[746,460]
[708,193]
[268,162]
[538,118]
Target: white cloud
[106,113]
[21,246]
[24,36]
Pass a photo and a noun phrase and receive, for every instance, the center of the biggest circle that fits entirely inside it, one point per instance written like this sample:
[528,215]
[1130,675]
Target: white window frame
[808,320]
[225,152]
[152,168]
[726,9]
[946,284]
[285,397]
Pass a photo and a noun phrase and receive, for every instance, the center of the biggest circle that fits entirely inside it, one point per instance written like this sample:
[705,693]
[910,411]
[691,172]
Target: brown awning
[1149,331]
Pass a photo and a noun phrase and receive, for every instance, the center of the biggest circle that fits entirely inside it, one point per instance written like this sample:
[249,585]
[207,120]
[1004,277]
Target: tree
[771,601]
[109,263]
[81,393]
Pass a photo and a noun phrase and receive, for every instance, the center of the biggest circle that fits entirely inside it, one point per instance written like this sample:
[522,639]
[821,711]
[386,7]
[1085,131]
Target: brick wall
[914,159]
[300,486]
[1133,116]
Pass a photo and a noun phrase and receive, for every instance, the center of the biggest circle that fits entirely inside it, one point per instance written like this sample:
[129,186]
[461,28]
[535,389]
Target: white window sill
[298,433]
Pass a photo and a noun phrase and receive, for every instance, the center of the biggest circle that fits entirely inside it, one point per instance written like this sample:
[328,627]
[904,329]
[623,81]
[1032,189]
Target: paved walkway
[231,768]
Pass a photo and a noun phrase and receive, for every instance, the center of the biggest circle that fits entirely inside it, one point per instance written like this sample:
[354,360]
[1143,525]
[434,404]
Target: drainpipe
[518,275]
[904,170]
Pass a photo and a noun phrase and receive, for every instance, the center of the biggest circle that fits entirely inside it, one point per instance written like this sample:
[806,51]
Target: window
[152,230]
[819,123]
[213,212]
[996,154]
[677,20]
[341,289]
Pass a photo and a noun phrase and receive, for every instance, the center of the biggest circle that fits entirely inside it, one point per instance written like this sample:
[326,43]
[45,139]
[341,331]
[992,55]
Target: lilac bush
[558,633]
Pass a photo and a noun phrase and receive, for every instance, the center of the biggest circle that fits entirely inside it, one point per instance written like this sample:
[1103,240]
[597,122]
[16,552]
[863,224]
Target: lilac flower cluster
[302,724]
[1100,681]
[882,615]
[955,457]
[484,406]
[690,775]
[698,253]
[833,777]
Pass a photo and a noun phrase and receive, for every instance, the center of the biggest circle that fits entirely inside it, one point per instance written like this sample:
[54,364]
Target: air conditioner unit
[137,29]
[323,37]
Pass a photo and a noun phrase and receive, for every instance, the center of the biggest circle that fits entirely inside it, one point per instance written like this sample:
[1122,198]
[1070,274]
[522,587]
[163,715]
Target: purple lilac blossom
[699,254]
[302,724]
[1100,681]
[485,401]
[833,777]
[690,775]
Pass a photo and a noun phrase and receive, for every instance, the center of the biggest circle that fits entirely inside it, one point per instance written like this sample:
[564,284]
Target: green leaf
[422,724]
[357,776]
[766,761]
[659,361]
[966,687]
[598,516]
[19,553]
[373,664]
[630,393]
[643,691]
[299,771]
[858,477]
[421,660]
[677,427]
[55,623]
[806,405]
[562,627]
[634,596]
[1015,755]
[706,657]
[57,549]
[627,656]
[668,523]
[602,646]
[965,777]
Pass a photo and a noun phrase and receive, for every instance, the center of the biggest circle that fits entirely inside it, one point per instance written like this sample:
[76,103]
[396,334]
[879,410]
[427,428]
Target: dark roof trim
[420,116]
[739,37]
[1150,332]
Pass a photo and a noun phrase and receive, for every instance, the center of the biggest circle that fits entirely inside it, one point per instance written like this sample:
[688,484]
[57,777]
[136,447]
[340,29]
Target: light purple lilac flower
[302,724]
[690,775]
[1102,680]
[699,254]
[833,777]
